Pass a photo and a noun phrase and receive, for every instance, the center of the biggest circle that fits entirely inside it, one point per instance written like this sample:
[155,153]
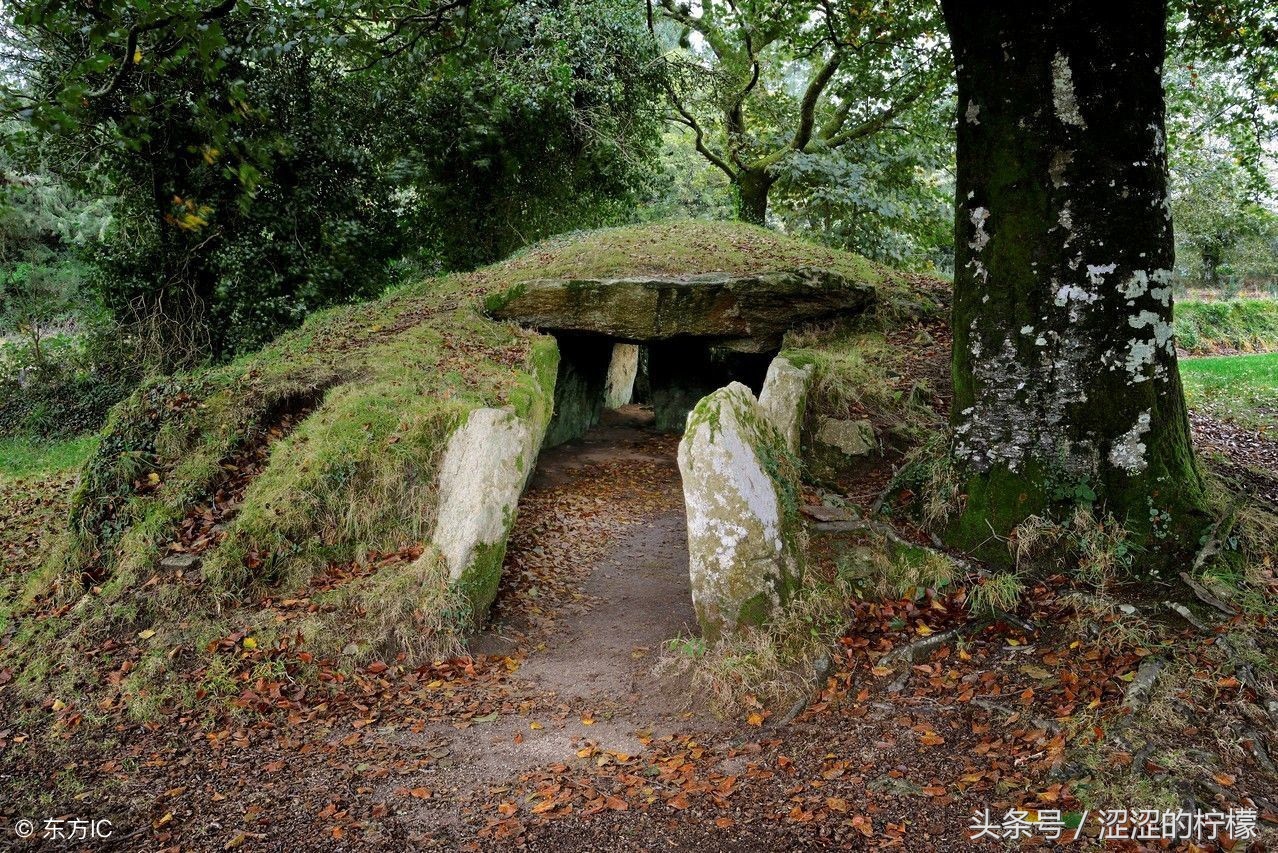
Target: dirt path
[595,582]
[556,735]
[636,595]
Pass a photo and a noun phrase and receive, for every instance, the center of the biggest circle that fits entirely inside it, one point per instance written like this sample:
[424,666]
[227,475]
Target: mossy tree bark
[752,195]
[1066,388]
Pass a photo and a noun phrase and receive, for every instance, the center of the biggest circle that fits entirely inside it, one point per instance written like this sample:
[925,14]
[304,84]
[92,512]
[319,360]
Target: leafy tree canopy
[271,158]
[758,83]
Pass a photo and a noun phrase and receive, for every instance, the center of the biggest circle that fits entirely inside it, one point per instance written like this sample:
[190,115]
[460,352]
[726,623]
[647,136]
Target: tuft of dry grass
[773,664]
[996,594]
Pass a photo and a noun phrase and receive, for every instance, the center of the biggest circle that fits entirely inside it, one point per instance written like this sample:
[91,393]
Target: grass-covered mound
[303,480]
[1239,325]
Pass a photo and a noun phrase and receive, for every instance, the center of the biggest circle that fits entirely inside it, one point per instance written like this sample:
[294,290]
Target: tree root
[822,671]
[1256,746]
[919,649]
[1205,596]
[861,524]
[913,652]
[1188,615]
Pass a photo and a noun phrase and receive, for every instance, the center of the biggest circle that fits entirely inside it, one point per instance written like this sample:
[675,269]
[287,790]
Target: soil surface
[557,733]
[1247,458]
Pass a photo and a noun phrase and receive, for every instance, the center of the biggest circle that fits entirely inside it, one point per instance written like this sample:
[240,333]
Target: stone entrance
[703,353]
[694,335]
[598,373]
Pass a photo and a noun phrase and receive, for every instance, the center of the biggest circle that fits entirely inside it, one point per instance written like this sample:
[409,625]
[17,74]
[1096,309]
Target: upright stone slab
[579,388]
[622,370]
[740,488]
[839,451]
[784,398]
[484,470]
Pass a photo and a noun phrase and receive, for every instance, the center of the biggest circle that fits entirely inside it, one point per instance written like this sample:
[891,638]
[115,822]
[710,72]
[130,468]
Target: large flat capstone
[740,487]
[749,313]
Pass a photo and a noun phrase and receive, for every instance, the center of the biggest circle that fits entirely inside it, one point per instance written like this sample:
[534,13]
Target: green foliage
[1221,130]
[1241,324]
[269,159]
[58,406]
[544,122]
[42,280]
[757,84]
[888,196]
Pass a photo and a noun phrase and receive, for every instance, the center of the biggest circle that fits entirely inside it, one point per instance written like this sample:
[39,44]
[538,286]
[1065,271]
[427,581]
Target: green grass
[1238,388]
[1248,325]
[694,247]
[24,457]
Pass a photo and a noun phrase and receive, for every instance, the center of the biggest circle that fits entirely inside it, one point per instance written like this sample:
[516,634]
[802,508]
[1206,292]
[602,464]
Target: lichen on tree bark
[1064,365]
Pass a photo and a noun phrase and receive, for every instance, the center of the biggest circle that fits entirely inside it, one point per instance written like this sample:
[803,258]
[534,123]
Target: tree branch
[685,118]
[221,10]
[876,123]
[807,112]
[807,109]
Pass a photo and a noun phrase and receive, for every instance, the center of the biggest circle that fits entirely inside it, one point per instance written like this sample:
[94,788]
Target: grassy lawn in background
[1238,388]
[23,457]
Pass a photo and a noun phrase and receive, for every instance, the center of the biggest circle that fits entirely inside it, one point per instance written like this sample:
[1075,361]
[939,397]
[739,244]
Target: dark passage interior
[669,376]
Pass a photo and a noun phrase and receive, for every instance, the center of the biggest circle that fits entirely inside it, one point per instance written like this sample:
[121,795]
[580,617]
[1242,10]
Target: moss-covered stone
[753,311]
[784,398]
[379,391]
[745,537]
[619,388]
[579,389]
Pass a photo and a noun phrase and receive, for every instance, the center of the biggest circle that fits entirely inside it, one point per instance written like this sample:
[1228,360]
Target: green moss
[799,358]
[478,583]
[1002,499]
[494,302]
[755,611]
[706,412]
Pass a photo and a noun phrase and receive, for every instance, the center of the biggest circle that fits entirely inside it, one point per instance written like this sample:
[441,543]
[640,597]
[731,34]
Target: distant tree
[757,83]
[33,295]
[43,225]
[1222,154]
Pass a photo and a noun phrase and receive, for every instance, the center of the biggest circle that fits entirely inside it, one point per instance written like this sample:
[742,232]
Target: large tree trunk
[1065,381]
[752,195]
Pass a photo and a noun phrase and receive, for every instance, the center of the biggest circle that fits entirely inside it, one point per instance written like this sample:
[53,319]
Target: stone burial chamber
[704,352]
[674,340]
